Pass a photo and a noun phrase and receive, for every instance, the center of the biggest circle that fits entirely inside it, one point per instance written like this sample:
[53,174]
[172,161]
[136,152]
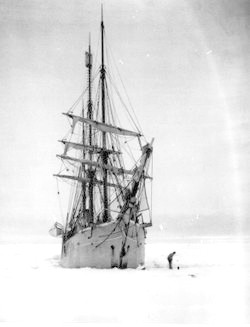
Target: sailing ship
[105,226]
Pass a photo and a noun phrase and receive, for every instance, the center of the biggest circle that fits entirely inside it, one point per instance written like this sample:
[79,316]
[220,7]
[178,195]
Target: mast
[90,141]
[84,197]
[83,173]
[104,153]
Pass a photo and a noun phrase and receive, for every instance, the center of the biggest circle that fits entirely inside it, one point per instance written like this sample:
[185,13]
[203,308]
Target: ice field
[211,286]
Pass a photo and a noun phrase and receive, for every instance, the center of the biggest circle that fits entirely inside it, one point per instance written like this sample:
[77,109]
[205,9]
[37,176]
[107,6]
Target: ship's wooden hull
[101,247]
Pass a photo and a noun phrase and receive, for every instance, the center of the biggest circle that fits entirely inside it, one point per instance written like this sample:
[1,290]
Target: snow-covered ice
[211,286]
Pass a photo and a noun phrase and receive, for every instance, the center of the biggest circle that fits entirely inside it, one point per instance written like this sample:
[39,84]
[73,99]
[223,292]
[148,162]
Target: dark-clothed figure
[170,259]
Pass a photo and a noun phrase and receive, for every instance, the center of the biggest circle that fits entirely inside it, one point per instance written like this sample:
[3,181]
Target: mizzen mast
[90,172]
[104,152]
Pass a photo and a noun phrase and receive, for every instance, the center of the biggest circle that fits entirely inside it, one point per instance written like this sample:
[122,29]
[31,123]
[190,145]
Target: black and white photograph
[125,155]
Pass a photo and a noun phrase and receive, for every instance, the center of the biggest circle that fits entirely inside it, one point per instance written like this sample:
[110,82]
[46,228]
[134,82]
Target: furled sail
[80,146]
[102,126]
[56,230]
[116,170]
[87,180]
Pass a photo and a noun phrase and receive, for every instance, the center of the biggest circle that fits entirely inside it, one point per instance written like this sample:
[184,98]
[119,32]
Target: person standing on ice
[170,259]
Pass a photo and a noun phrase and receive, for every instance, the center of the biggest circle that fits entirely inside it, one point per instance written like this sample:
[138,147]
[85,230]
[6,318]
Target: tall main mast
[104,153]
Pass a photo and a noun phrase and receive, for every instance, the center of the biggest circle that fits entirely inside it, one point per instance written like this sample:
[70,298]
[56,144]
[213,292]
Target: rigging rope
[138,127]
[72,108]
[151,200]
[59,200]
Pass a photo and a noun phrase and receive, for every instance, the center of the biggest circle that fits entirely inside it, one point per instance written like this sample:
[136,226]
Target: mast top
[102,13]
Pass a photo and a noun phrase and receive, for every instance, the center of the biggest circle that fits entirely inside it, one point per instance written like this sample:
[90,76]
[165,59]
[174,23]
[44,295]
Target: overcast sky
[185,65]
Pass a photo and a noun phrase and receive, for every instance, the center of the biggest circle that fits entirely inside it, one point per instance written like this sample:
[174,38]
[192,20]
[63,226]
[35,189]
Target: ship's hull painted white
[101,247]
